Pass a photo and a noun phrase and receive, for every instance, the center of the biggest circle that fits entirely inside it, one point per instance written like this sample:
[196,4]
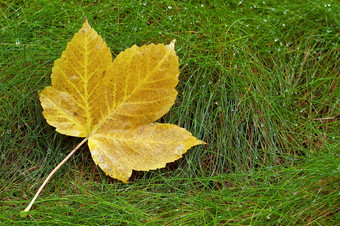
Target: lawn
[258,83]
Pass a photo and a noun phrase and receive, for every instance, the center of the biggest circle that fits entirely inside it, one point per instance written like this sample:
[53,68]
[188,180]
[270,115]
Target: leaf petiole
[51,174]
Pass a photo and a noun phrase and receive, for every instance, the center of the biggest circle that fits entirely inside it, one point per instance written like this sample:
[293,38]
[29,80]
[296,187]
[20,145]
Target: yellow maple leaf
[114,104]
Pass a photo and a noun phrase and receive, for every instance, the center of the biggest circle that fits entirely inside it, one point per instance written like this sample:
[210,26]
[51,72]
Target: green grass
[258,83]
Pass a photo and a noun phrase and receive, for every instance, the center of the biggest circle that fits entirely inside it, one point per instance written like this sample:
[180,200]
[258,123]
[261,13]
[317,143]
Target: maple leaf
[114,104]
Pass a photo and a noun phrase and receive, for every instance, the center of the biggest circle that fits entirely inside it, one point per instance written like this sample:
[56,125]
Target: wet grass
[258,83]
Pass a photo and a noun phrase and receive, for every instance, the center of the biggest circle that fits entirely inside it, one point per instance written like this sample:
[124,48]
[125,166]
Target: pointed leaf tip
[172,44]
[86,26]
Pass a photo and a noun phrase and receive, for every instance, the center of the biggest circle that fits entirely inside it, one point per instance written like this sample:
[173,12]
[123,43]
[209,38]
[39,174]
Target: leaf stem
[51,174]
